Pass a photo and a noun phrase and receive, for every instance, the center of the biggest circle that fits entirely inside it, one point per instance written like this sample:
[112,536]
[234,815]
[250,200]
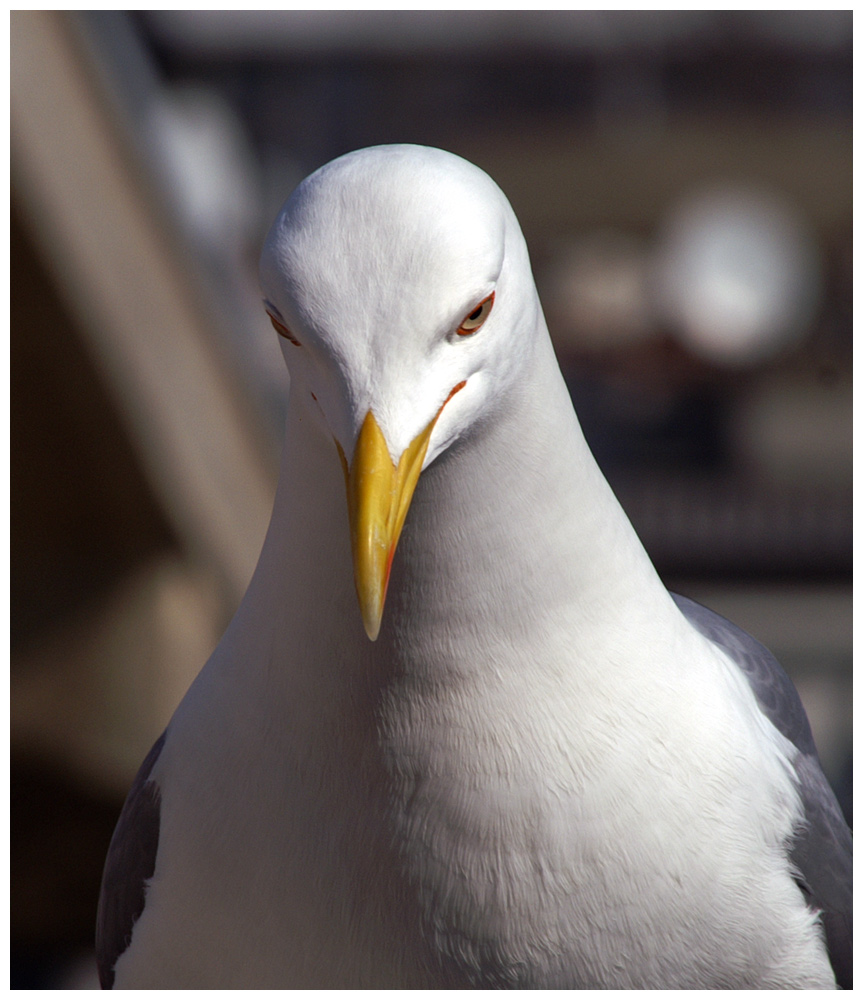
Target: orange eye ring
[283,331]
[475,319]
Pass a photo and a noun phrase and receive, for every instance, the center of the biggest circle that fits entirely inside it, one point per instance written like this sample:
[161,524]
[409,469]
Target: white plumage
[541,773]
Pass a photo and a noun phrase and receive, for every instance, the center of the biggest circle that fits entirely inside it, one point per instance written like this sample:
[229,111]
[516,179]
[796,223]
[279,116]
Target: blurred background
[684,183]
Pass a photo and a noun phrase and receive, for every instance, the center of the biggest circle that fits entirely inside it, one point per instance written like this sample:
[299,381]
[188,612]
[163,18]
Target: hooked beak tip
[372,628]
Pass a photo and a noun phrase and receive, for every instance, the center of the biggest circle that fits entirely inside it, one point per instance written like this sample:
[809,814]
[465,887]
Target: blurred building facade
[684,183]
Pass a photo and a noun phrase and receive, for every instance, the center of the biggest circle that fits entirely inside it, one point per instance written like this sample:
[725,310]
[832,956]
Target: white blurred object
[738,276]
[597,292]
[210,174]
[203,155]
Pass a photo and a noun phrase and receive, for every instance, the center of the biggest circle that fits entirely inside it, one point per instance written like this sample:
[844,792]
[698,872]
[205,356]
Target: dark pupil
[475,313]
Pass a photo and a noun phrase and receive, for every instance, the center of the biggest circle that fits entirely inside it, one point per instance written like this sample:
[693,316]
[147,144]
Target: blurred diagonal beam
[121,270]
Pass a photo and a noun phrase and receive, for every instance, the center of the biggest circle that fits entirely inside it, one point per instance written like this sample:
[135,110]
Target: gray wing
[821,851]
[130,864]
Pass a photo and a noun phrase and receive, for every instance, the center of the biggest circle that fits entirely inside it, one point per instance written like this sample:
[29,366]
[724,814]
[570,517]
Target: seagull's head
[399,282]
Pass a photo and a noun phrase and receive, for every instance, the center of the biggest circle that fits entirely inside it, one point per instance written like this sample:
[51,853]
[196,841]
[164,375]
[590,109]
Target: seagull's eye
[474,320]
[283,331]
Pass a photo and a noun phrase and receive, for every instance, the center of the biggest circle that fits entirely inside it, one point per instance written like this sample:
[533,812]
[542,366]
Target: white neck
[524,486]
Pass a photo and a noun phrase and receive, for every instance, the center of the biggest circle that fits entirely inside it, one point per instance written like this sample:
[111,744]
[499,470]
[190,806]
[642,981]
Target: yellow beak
[379,494]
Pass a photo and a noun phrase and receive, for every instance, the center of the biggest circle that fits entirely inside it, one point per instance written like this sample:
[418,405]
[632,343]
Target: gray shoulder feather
[821,851]
[130,864]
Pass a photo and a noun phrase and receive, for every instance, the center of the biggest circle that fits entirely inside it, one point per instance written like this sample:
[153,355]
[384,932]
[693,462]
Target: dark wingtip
[129,865]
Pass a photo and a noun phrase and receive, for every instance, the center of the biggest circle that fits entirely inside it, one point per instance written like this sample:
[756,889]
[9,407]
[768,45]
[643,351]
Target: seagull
[458,733]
